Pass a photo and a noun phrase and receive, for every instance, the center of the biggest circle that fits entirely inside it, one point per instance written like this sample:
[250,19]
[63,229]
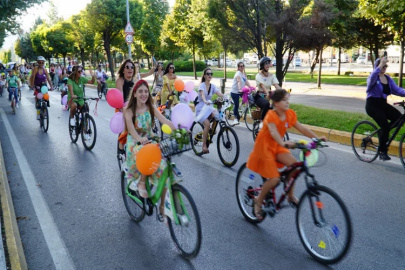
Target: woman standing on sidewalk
[169,77]
[264,81]
[379,86]
[239,81]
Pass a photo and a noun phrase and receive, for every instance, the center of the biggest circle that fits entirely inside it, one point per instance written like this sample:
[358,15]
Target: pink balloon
[115,98]
[117,123]
[182,116]
[189,86]
[192,95]
[40,95]
[64,100]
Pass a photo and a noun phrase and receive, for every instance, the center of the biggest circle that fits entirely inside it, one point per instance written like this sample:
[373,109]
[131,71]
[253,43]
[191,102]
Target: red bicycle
[323,221]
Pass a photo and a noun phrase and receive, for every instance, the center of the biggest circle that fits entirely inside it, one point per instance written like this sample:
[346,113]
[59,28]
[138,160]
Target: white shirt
[99,74]
[266,81]
[235,87]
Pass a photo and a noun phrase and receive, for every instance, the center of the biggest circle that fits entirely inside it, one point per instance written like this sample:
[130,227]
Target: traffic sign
[129,38]
[129,29]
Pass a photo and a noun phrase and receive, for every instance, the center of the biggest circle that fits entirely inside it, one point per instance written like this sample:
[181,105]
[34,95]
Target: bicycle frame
[152,200]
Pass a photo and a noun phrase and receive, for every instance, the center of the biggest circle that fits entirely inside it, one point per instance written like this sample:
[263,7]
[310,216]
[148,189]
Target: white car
[297,62]
[361,60]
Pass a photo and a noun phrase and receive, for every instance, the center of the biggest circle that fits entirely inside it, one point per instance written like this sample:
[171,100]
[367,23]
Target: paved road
[71,214]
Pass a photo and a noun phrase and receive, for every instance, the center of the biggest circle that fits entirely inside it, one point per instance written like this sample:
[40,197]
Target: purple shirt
[39,79]
[375,88]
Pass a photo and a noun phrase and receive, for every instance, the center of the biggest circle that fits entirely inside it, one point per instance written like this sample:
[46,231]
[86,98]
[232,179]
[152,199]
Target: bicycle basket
[256,114]
[171,147]
[251,100]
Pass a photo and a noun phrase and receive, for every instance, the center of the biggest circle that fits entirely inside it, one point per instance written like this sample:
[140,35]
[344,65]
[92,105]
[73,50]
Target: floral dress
[143,125]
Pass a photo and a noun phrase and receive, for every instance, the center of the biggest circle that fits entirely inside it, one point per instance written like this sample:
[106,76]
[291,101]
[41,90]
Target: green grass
[296,77]
[337,120]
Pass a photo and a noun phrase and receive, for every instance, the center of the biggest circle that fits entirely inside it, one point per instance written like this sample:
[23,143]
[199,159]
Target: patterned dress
[143,125]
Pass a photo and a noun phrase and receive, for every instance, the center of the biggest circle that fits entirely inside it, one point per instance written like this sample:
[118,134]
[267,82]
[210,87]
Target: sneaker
[38,117]
[384,156]
[235,122]
[87,137]
[17,105]
[72,122]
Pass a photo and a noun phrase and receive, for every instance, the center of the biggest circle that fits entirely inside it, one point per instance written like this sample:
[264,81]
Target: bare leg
[73,108]
[206,124]
[142,187]
[288,159]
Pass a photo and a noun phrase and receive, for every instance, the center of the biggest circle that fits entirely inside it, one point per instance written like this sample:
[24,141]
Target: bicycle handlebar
[402,103]
[315,144]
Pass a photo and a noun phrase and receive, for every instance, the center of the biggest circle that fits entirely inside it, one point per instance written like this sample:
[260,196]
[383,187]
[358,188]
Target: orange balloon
[148,159]
[46,96]
[179,85]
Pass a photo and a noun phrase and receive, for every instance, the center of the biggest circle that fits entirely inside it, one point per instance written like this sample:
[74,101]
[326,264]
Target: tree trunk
[149,67]
[194,69]
[225,63]
[340,53]
[108,52]
[313,64]
[115,59]
[97,59]
[401,60]
[219,60]
[279,59]
[320,71]
[64,60]
[172,57]
[82,56]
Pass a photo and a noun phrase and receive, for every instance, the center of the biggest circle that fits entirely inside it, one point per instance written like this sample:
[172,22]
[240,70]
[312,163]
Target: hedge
[187,65]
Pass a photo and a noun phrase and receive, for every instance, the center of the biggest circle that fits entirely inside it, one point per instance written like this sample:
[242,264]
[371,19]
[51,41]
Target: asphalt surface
[81,190]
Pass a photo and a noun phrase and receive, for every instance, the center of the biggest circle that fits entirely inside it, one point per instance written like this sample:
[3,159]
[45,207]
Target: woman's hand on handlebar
[289,144]
[74,96]
[144,140]
[322,138]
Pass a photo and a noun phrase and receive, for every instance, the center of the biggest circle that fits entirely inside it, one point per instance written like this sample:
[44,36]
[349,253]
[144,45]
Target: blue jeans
[10,93]
[235,98]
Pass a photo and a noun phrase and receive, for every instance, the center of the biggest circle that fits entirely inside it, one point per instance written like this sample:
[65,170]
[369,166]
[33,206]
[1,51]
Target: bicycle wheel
[247,117]
[99,93]
[135,211]
[256,129]
[44,118]
[248,186]
[89,132]
[402,150]
[187,235]
[228,117]
[19,95]
[228,146]
[324,224]
[73,131]
[365,141]
[197,136]
[13,104]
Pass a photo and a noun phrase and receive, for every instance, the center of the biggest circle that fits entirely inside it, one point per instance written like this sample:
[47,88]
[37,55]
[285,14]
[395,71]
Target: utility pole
[129,45]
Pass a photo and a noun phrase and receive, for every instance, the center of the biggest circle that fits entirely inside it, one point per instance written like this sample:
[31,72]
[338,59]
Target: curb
[13,239]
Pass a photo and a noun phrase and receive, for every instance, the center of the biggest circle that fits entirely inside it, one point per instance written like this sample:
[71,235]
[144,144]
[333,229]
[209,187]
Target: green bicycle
[179,208]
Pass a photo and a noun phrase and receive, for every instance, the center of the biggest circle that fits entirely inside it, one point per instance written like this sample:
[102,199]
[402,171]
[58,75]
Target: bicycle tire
[118,154]
[197,138]
[256,129]
[364,147]
[245,118]
[86,129]
[44,118]
[180,204]
[13,104]
[224,139]
[128,202]
[245,180]
[228,116]
[402,150]
[319,248]
[19,95]
[99,93]
[73,131]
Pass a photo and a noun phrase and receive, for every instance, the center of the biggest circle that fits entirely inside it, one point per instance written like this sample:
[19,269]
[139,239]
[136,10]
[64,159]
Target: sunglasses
[267,63]
[171,67]
[209,74]
[79,70]
[242,66]
[41,62]
[385,66]
[129,67]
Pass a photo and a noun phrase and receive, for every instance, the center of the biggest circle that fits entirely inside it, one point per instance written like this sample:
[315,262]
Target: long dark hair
[121,69]
[72,75]
[204,73]
[132,101]
[167,68]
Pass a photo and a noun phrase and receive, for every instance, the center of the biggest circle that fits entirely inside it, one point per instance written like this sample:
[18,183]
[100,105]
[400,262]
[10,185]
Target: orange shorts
[267,165]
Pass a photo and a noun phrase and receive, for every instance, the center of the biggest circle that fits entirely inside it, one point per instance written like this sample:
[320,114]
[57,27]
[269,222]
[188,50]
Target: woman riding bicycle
[205,92]
[264,81]
[75,90]
[270,152]
[379,86]
[167,93]
[139,117]
[12,82]
[239,81]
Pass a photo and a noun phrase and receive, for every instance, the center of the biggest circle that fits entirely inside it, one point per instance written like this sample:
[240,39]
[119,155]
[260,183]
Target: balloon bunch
[116,100]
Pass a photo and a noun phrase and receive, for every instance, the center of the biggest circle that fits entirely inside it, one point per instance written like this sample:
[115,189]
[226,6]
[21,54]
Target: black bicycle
[322,219]
[257,128]
[85,125]
[43,112]
[365,140]
[102,89]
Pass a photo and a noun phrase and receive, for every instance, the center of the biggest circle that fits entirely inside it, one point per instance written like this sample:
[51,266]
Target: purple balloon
[189,86]
[64,100]
[192,95]
[117,123]
[182,116]
[40,95]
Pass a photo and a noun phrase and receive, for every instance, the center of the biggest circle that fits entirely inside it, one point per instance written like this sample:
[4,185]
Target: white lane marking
[57,248]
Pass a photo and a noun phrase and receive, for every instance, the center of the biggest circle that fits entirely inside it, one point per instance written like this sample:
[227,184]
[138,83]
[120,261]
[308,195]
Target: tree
[108,18]
[5,56]
[58,41]
[81,34]
[154,14]
[38,41]
[53,14]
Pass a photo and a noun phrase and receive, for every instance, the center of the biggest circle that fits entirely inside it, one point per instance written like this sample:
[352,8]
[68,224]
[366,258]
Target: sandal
[206,151]
[142,191]
[293,202]
[162,217]
[258,213]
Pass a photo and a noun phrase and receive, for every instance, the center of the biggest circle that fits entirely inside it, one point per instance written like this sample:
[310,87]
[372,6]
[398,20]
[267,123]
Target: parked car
[297,62]
[228,62]
[361,60]
[212,62]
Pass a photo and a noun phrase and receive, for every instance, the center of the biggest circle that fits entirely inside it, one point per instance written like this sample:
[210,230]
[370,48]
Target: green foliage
[38,41]
[57,40]
[187,65]
[5,56]
[53,14]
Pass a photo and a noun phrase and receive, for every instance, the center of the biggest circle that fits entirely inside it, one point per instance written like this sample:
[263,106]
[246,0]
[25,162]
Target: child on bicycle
[270,152]
[139,117]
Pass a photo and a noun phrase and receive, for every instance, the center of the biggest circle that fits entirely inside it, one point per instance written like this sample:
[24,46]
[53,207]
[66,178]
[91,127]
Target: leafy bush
[187,65]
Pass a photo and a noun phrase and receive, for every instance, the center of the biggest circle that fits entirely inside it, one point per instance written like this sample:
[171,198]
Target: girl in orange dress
[271,152]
